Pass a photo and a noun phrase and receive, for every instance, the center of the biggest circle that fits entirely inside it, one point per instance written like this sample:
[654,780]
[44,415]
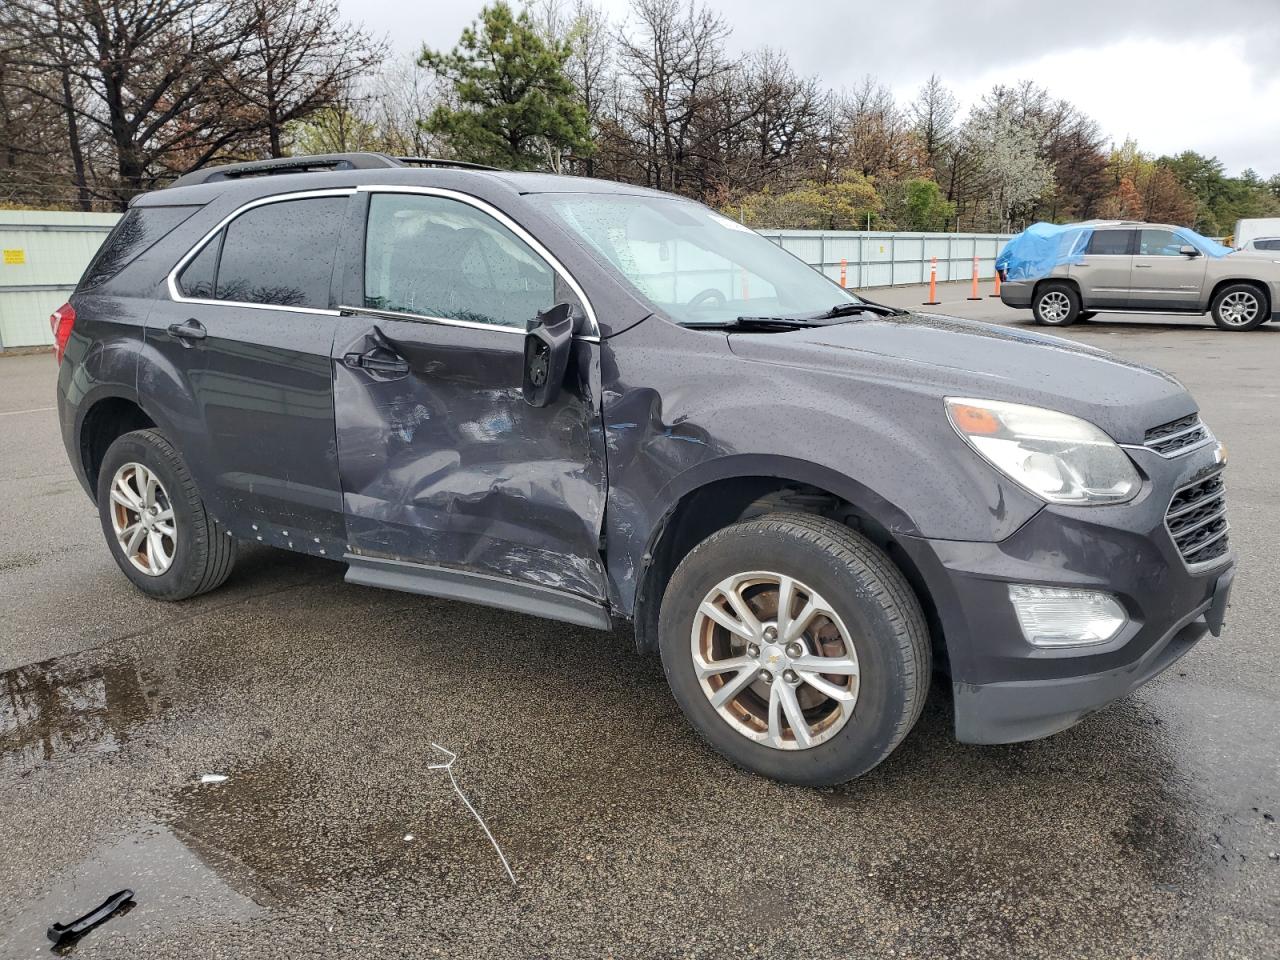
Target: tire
[199,553]
[1056,305]
[1240,306]
[873,610]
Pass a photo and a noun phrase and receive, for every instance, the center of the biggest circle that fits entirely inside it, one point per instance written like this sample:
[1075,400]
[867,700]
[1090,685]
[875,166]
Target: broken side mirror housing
[547,345]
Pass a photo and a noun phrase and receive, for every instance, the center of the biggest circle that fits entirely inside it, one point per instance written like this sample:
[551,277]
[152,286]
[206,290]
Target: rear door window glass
[135,233]
[1109,242]
[1267,245]
[437,257]
[281,253]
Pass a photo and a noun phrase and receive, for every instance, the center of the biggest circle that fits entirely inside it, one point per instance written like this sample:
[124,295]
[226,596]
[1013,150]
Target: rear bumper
[1017,293]
[1005,688]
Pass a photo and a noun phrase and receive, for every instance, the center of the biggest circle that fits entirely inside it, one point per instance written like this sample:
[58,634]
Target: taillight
[61,322]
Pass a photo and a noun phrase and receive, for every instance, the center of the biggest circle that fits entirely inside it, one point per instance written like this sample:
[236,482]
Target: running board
[452,584]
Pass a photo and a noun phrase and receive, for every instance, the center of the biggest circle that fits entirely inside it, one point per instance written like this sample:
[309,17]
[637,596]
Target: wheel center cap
[773,658]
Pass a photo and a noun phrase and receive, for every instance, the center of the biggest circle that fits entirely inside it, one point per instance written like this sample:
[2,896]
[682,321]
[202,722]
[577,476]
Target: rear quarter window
[138,230]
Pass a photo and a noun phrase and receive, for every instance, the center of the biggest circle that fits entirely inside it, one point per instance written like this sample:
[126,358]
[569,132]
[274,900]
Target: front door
[1105,270]
[246,339]
[442,461]
[1164,278]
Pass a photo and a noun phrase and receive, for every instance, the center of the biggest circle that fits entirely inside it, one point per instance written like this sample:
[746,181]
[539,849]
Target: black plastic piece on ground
[61,933]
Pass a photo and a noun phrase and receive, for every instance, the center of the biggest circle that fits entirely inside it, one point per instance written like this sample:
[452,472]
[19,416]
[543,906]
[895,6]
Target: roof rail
[327,161]
[436,162]
[278,165]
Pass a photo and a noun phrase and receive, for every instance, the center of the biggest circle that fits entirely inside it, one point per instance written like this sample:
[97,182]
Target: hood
[955,357]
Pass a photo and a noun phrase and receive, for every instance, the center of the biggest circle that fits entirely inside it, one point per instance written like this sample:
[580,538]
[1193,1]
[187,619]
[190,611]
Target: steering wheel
[709,295]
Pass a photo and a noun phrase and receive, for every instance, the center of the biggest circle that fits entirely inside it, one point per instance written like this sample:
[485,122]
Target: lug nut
[766,676]
[791,677]
[753,650]
[795,650]
[771,633]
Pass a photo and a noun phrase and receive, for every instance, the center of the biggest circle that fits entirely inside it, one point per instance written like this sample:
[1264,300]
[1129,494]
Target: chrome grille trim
[1196,519]
[1178,436]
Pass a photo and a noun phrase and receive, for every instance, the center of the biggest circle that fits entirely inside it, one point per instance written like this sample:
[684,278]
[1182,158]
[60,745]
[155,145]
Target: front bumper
[1008,690]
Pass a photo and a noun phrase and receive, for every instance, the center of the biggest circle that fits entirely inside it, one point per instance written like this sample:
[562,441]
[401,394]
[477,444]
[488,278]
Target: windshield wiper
[759,323]
[862,306]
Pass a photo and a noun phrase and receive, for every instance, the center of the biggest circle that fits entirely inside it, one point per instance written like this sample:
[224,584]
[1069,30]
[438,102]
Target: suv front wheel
[1056,305]
[796,648]
[155,522]
[1239,306]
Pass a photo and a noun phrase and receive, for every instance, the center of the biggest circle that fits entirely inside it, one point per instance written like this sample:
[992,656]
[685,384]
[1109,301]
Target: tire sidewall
[868,734]
[188,557]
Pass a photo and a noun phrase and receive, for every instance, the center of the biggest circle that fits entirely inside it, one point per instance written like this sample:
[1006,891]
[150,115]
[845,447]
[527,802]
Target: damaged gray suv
[607,405]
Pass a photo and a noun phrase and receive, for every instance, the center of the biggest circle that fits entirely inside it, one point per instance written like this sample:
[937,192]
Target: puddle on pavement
[53,709]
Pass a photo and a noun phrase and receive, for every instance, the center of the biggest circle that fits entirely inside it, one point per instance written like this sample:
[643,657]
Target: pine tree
[514,105]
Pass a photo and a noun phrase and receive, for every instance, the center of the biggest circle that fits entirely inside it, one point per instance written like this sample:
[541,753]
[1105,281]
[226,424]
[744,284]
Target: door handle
[381,358]
[193,329]
[1142,266]
[375,364]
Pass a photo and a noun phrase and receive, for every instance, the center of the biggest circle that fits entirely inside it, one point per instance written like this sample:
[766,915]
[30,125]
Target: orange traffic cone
[933,300]
[974,294]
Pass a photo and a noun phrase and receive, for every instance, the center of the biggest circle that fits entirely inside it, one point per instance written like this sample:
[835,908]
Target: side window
[1109,242]
[1159,243]
[1267,245]
[281,253]
[437,257]
[197,277]
[137,231]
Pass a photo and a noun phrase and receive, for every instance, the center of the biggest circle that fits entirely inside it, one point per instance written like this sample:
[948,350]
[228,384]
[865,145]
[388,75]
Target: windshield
[691,263]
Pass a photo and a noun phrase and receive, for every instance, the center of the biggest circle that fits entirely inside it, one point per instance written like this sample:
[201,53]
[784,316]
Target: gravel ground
[1147,831]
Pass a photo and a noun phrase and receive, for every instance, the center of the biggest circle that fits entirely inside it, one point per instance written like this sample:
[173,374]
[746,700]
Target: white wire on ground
[447,767]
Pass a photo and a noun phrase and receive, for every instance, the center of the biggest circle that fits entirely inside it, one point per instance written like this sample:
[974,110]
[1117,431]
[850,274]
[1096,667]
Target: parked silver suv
[1130,267]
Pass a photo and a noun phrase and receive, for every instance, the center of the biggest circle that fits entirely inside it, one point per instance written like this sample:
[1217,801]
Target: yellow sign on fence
[15,257]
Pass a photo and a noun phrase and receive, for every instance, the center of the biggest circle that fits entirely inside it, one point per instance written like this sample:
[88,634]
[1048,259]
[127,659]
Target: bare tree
[298,58]
[933,119]
[669,64]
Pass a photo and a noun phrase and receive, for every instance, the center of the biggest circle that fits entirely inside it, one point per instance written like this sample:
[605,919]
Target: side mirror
[1187,250]
[547,345]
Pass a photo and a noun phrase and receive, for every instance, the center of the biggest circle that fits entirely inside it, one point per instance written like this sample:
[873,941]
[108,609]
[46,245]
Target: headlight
[1056,456]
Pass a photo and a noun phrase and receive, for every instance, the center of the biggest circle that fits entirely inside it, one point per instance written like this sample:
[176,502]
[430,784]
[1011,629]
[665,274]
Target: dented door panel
[447,465]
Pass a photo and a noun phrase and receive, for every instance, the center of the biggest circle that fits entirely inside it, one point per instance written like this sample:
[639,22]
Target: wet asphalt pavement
[1147,831]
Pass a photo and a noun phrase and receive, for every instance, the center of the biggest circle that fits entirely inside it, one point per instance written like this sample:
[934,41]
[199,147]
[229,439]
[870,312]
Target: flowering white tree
[1014,172]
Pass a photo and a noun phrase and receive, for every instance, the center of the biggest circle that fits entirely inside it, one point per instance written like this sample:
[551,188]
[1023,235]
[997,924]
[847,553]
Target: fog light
[1065,617]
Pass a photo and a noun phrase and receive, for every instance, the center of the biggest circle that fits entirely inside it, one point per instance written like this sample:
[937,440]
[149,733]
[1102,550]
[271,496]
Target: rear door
[243,344]
[442,461]
[1106,269]
[1163,277]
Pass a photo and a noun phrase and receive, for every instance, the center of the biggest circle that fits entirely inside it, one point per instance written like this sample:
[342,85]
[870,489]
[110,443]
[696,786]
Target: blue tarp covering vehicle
[1042,246]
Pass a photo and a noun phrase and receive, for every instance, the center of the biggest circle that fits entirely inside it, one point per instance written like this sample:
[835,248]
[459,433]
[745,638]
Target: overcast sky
[1174,74]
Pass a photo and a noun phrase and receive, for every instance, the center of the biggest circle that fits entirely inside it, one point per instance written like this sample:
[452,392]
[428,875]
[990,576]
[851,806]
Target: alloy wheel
[143,520]
[1054,307]
[1238,309]
[775,660]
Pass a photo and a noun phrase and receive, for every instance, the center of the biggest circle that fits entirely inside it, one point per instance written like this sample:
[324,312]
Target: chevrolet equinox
[603,404]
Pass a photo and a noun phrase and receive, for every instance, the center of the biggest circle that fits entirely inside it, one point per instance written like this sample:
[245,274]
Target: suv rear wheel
[1056,305]
[1239,307]
[796,648]
[155,522]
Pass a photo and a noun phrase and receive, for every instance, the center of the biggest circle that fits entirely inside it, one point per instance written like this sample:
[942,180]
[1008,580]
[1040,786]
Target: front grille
[1177,436]
[1197,520]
